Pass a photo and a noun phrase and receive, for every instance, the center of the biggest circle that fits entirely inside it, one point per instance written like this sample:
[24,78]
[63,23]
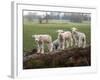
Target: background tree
[47,17]
[76,17]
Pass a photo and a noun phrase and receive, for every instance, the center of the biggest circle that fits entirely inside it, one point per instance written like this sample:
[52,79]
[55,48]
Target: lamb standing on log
[41,40]
[79,38]
[55,44]
[64,37]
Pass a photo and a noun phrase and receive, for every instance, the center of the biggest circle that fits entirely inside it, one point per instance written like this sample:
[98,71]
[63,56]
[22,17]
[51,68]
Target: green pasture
[31,28]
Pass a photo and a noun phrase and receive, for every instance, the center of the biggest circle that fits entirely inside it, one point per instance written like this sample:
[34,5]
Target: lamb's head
[36,37]
[74,29]
[59,31]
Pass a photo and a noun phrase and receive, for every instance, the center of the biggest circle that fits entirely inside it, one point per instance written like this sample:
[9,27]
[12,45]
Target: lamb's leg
[54,47]
[79,43]
[42,48]
[84,43]
[63,45]
[71,42]
[60,45]
[67,43]
[50,47]
[38,48]
[76,42]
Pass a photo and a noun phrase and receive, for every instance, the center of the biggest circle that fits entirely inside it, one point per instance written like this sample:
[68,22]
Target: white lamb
[79,38]
[65,39]
[41,40]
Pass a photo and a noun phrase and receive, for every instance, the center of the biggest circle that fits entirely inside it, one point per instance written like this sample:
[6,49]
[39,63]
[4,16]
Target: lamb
[64,37]
[79,38]
[42,39]
[55,44]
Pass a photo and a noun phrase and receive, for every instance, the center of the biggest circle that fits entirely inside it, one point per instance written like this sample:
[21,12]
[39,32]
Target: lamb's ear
[33,36]
[72,28]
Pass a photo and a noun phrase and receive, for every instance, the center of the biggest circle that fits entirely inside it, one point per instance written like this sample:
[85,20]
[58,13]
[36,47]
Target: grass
[31,28]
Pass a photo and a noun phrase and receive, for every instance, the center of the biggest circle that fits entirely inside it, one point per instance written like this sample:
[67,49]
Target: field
[31,28]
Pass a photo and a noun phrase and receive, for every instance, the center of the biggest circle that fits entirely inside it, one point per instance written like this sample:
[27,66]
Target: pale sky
[37,12]
[43,13]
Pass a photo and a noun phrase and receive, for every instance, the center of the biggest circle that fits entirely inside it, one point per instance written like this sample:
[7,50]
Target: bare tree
[46,17]
[40,20]
[76,17]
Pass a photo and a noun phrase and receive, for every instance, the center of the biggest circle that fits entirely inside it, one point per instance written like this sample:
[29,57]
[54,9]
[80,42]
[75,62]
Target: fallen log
[68,57]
